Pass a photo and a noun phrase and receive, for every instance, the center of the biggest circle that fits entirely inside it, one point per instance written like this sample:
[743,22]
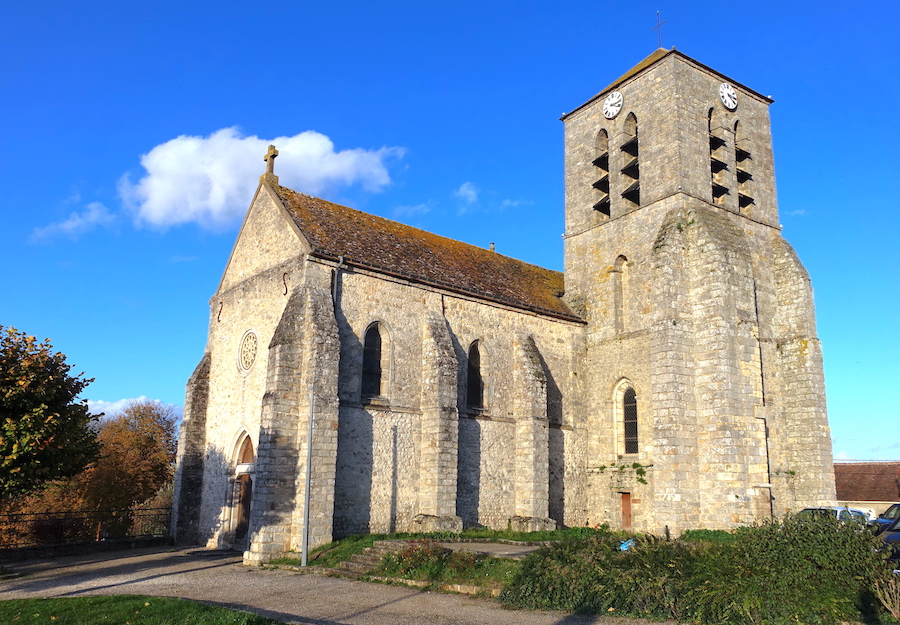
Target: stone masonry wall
[374,489]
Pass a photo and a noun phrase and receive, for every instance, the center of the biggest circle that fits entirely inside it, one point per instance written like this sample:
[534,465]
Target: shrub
[427,560]
[716,536]
[796,570]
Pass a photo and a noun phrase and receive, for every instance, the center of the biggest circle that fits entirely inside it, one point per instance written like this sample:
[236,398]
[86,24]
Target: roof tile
[867,481]
[393,248]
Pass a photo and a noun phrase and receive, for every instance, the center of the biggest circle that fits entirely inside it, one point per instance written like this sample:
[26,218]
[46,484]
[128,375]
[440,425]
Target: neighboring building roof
[867,481]
[392,248]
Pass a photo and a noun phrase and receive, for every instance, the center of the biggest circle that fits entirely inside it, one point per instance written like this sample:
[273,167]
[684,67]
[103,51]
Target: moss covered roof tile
[389,247]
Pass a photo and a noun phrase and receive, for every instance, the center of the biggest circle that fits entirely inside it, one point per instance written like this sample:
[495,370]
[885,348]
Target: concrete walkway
[219,578]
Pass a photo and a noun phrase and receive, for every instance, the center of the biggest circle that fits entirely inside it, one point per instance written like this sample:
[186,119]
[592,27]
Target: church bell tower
[700,356]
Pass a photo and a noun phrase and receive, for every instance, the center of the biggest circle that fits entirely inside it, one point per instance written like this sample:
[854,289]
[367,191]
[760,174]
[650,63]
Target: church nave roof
[393,248]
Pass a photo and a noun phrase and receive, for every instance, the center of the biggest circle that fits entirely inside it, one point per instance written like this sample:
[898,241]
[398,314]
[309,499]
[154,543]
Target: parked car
[841,513]
[891,536]
[887,518]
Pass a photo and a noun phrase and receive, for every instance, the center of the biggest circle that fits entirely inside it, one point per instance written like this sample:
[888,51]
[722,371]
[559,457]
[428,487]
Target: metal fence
[67,528]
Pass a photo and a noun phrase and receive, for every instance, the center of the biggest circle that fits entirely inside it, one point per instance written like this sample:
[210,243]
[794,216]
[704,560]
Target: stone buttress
[303,355]
[190,461]
[439,429]
[532,466]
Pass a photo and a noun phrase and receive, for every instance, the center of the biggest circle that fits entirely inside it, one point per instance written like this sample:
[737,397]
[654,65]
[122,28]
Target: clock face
[612,104]
[728,96]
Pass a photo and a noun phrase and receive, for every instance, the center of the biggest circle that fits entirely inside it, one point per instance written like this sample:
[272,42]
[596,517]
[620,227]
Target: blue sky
[133,135]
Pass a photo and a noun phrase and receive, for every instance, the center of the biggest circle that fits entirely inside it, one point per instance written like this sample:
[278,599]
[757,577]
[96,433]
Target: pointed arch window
[245,451]
[630,421]
[474,380]
[371,364]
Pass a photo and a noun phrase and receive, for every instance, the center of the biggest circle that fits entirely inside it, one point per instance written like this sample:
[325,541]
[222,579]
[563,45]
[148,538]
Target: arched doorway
[242,492]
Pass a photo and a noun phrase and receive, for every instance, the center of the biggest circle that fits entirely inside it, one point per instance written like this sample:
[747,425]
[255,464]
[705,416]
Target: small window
[630,420]
[474,380]
[371,369]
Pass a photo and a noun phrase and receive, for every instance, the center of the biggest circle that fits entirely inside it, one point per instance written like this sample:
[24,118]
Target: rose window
[248,351]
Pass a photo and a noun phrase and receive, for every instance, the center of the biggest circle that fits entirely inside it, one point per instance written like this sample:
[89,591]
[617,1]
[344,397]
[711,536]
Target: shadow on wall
[468,461]
[557,446]
[194,524]
[354,467]
[468,471]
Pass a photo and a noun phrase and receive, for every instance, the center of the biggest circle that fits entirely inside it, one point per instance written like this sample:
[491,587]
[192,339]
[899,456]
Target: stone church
[388,379]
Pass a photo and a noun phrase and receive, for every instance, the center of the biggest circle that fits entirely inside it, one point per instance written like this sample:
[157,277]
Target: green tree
[45,432]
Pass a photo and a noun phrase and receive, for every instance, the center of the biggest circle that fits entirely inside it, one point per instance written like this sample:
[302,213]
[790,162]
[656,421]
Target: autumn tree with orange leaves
[137,456]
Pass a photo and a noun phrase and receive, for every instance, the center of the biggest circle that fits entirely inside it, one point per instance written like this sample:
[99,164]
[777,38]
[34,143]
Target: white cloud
[468,193]
[841,455]
[797,213]
[510,204]
[411,211]
[211,180]
[112,408]
[94,215]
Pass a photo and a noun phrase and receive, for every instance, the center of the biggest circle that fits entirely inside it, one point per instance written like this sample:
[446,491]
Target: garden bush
[790,571]
[427,560]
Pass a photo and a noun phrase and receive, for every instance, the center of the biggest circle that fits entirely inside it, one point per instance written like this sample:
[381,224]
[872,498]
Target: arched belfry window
[630,421]
[601,170]
[744,165]
[474,379]
[371,364]
[718,163]
[631,170]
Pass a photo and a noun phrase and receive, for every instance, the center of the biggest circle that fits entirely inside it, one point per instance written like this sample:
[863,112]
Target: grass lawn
[122,610]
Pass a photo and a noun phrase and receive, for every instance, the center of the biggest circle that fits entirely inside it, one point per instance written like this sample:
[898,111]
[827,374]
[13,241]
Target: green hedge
[790,571]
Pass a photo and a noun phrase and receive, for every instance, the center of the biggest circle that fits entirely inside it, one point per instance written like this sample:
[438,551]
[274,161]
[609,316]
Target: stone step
[391,546]
[356,567]
[373,559]
[370,558]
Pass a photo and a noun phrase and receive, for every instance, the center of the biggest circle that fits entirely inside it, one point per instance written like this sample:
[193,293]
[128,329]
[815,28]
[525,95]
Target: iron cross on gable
[658,28]
[269,158]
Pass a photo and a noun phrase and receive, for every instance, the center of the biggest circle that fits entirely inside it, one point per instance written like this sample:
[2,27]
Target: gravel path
[219,578]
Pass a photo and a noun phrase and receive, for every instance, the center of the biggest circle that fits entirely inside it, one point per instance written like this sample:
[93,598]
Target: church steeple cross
[658,28]
[269,158]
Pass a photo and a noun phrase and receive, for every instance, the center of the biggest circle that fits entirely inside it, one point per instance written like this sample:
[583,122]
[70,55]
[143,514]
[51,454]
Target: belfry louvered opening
[632,170]
[718,163]
[601,169]
[744,166]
